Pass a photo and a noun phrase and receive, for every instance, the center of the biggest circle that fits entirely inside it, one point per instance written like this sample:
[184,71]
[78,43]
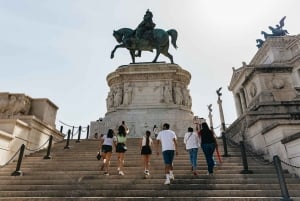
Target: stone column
[238,104]
[243,100]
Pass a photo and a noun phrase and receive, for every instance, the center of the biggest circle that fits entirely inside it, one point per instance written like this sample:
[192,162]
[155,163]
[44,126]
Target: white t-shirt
[191,140]
[166,138]
[107,141]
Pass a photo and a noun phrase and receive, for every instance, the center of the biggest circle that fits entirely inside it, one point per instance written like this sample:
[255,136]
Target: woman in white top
[192,143]
[146,151]
[106,149]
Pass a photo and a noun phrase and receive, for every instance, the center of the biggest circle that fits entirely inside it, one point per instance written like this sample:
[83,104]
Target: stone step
[165,191]
[190,179]
[187,198]
[175,186]
[74,174]
[60,175]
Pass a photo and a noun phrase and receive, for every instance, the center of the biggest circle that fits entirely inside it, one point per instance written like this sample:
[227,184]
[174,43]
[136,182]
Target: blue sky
[60,49]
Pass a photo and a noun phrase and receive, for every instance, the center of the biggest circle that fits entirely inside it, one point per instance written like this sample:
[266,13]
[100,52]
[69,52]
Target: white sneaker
[172,177]
[121,173]
[146,172]
[167,182]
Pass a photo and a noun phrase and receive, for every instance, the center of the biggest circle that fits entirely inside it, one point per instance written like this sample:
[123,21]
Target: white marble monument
[147,94]
[267,98]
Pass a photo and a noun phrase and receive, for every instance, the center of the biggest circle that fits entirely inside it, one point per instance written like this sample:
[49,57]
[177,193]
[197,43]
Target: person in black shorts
[146,151]
[121,148]
[106,143]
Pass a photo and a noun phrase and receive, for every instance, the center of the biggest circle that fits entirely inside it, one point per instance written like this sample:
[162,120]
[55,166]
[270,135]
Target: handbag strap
[189,137]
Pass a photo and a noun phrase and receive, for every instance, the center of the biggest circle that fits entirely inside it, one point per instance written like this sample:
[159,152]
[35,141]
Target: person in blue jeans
[208,145]
[192,143]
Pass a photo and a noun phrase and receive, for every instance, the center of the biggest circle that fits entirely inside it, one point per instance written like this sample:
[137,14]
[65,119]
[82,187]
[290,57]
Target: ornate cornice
[151,71]
[239,76]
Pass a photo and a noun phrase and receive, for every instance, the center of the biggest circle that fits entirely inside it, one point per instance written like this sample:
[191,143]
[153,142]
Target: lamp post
[223,127]
[210,117]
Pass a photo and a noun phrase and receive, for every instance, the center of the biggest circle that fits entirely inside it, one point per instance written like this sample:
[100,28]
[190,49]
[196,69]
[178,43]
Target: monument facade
[267,98]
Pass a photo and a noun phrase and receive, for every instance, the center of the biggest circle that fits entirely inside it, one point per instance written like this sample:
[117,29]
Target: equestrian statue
[145,38]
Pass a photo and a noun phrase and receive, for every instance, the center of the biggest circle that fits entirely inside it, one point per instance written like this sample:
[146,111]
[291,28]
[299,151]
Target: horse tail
[173,33]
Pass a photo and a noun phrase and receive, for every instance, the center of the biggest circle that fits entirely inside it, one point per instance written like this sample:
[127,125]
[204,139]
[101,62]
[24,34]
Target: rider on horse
[146,25]
[145,29]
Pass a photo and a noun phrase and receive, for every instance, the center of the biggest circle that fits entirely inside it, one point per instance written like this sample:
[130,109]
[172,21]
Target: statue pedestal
[147,94]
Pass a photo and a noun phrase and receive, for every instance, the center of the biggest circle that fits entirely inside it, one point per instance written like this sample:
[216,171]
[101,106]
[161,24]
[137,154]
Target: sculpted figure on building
[14,104]
[276,31]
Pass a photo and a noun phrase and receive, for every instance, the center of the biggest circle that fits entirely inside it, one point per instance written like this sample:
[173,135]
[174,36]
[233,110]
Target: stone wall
[28,121]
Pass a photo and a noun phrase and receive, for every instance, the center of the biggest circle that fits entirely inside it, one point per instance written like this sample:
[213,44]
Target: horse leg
[167,54]
[116,47]
[157,54]
[132,54]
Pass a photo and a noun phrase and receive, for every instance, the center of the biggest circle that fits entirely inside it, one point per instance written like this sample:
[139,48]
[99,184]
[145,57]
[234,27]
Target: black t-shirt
[207,137]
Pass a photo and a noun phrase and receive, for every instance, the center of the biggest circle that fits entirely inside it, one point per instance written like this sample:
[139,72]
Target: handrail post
[244,158]
[49,148]
[284,191]
[61,129]
[79,134]
[224,145]
[72,132]
[222,122]
[18,172]
[87,131]
[68,140]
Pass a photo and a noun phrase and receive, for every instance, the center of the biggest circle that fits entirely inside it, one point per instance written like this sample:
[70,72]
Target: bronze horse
[159,41]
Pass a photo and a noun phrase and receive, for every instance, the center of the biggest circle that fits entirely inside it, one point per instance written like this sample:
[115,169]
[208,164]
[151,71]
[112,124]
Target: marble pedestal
[147,94]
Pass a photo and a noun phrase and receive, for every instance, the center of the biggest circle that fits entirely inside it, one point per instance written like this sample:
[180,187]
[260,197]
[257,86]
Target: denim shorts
[168,156]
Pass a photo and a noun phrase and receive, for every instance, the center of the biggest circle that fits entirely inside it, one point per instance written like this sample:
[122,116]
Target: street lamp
[222,122]
[210,117]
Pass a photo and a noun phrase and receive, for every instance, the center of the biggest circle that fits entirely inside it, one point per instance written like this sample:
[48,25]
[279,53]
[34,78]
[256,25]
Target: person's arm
[175,144]
[157,146]
[100,143]
[141,142]
[115,141]
[215,139]
[185,139]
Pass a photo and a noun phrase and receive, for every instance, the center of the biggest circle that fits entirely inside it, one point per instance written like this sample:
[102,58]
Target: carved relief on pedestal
[178,97]
[127,95]
[118,96]
[187,99]
[14,104]
[156,83]
[167,93]
[110,100]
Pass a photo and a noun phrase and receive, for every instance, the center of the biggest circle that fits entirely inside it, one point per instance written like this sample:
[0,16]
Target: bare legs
[121,158]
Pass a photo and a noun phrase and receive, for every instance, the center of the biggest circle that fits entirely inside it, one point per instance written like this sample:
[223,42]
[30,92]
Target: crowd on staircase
[166,138]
